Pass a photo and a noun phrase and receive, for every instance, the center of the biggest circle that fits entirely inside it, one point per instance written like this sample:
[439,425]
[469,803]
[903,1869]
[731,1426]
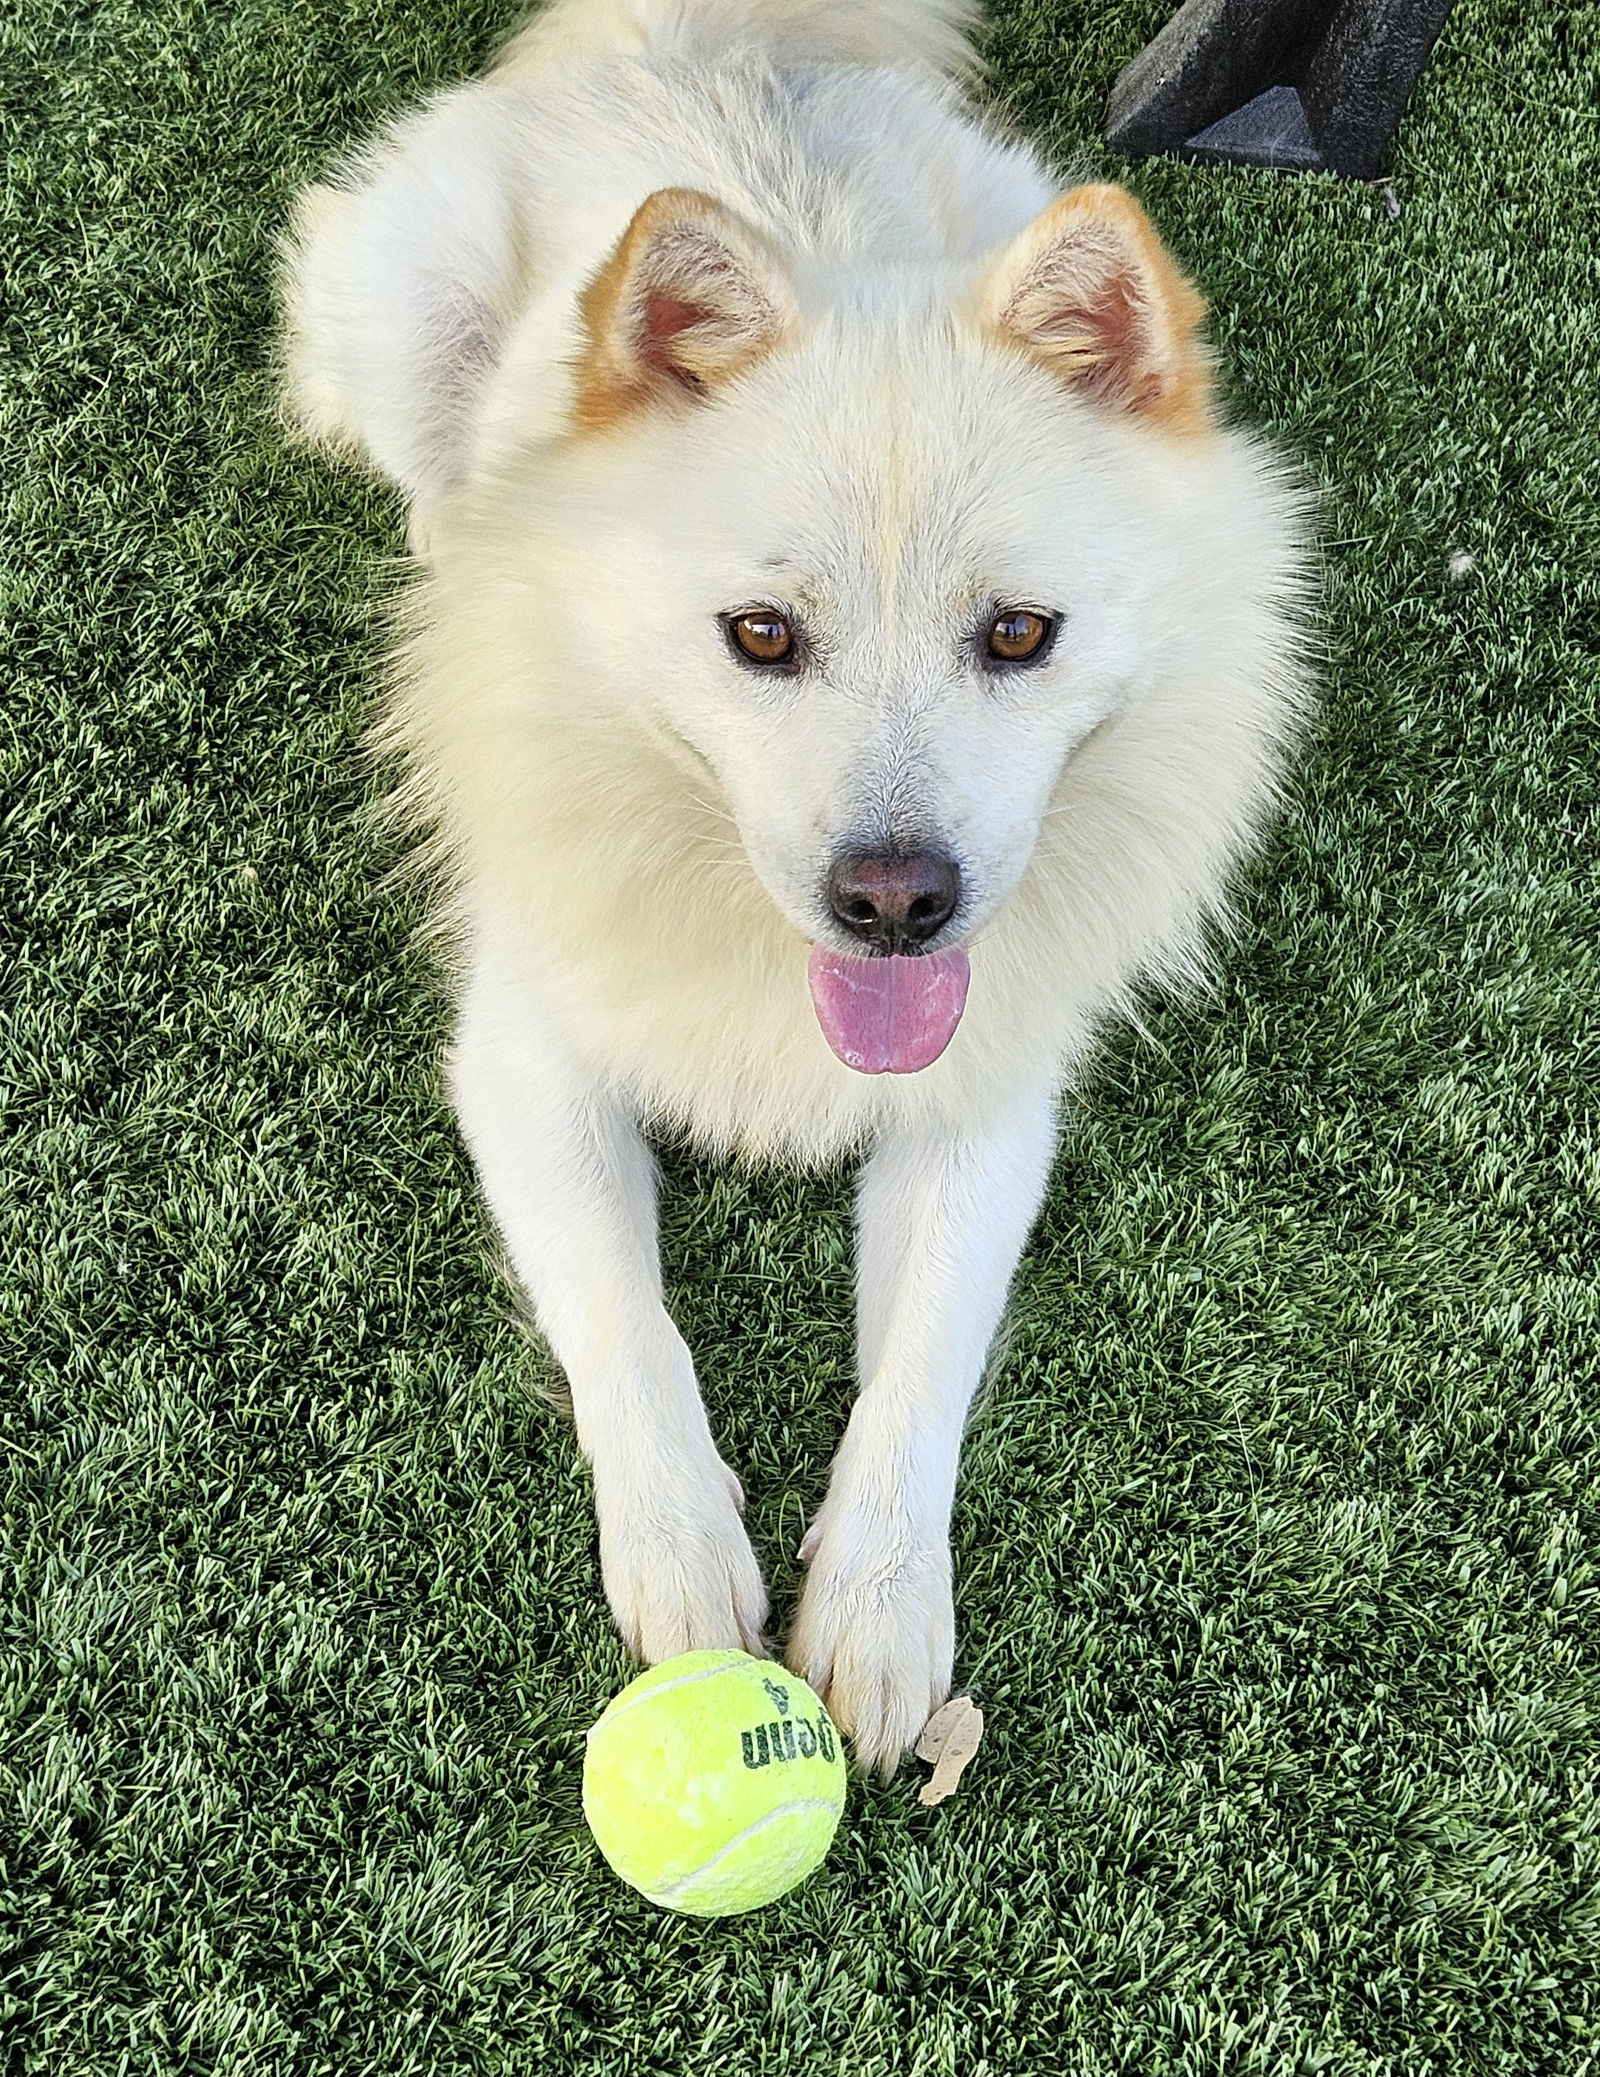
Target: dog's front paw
[875,1636]
[679,1573]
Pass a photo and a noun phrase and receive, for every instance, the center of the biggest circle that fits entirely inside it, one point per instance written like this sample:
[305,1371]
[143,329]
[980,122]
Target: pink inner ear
[663,321]
[1105,330]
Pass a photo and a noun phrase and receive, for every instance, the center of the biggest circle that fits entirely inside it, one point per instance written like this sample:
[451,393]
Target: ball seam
[673,1889]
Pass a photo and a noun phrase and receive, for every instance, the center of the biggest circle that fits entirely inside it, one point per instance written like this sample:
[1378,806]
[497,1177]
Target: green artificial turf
[1276,1535]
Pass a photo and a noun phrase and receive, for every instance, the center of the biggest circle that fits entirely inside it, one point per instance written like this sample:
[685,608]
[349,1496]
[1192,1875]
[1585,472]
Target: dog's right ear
[1091,294]
[400,279]
[691,297]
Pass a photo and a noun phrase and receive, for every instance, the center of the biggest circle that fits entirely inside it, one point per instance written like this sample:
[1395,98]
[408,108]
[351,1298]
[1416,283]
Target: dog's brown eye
[1018,636]
[764,637]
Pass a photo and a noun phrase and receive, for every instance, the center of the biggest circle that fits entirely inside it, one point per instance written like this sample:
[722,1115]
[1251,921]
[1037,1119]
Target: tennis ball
[714,1782]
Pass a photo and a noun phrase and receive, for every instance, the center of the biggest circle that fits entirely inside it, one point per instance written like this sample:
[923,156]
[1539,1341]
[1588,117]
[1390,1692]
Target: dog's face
[879,569]
[882,626]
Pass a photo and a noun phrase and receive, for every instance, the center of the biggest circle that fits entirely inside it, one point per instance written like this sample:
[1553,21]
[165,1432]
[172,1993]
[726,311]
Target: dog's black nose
[893,902]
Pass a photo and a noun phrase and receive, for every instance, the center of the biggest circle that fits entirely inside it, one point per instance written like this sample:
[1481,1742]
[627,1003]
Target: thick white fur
[633,829]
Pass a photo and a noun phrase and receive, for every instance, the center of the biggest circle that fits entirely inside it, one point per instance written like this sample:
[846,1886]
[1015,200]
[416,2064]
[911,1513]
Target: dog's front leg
[942,1218]
[572,1187]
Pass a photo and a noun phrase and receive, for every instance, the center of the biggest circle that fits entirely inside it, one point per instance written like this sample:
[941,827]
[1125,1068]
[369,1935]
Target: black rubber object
[1310,85]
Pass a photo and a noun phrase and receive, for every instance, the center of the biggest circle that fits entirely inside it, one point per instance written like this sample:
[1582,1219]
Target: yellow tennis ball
[714,1782]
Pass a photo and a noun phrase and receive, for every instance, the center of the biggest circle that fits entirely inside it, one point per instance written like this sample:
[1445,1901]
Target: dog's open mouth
[889,1014]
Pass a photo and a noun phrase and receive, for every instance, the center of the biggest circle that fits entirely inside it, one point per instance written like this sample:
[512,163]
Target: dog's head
[866,550]
[877,553]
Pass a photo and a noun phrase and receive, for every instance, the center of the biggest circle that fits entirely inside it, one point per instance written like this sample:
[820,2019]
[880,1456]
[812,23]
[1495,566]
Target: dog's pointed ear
[691,297]
[1089,290]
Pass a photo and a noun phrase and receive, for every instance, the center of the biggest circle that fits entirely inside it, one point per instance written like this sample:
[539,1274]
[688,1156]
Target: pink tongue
[888,1015]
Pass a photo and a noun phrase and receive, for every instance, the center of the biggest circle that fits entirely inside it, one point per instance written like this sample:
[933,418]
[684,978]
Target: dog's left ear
[1090,291]
[691,297]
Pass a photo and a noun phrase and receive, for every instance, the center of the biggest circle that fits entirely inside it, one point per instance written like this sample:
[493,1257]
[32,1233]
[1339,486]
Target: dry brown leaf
[949,1739]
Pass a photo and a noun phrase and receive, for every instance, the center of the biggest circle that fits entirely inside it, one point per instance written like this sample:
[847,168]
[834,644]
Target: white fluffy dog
[851,657]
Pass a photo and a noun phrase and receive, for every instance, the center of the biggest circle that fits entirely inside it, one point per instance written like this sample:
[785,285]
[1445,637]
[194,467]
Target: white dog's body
[699,312]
